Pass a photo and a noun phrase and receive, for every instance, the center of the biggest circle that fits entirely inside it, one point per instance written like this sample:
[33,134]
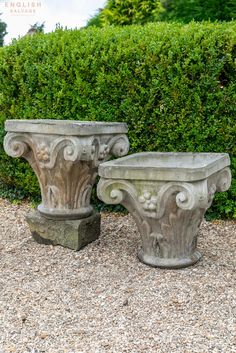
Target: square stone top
[165,166]
[65,127]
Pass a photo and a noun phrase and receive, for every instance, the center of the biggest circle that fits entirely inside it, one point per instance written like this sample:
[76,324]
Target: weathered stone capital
[65,156]
[167,199]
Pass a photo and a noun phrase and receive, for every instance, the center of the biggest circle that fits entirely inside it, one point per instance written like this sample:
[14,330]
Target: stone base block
[73,234]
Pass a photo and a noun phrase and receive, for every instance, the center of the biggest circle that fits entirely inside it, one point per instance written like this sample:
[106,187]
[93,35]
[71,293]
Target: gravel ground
[102,299]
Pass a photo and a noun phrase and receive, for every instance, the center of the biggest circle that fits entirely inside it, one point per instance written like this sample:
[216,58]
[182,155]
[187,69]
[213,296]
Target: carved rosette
[66,167]
[168,214]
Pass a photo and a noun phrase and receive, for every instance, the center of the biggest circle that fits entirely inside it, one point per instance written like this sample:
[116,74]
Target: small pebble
[89,307]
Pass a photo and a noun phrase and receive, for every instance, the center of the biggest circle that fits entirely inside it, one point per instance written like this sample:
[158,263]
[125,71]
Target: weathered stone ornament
[65,155]
[167,194]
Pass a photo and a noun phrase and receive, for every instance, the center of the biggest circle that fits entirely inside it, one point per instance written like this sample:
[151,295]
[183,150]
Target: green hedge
[175,86]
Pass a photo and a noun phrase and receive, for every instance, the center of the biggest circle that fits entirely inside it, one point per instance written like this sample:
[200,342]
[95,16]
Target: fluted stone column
[65,156]
[167,194]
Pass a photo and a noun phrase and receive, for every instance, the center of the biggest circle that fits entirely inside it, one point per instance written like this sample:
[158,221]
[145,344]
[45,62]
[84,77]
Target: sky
[21,14]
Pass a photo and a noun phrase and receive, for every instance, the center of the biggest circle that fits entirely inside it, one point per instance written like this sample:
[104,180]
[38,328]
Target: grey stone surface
[165,166]
[73,234]
[65,156]
[65,127]
[167,194]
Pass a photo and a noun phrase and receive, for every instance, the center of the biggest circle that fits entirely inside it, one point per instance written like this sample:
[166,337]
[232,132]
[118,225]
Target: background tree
[126,12]
[3,32]
[96,19]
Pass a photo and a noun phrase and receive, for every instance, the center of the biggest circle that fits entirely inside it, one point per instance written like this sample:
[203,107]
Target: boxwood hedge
[175,86]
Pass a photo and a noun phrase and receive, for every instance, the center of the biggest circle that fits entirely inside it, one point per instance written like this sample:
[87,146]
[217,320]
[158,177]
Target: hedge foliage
[199,10]
[175,86]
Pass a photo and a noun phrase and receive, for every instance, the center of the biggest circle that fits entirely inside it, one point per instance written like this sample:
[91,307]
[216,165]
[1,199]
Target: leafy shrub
[199,10]
[175,86]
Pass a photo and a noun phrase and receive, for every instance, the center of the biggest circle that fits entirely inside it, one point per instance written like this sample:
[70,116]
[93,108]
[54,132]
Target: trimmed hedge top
[175,86]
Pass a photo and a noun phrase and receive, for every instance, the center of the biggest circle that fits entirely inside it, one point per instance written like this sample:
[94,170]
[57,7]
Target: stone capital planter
[65,155]
[167,194]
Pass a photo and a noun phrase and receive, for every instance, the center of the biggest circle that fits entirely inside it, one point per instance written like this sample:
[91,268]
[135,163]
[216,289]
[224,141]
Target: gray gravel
[102,299]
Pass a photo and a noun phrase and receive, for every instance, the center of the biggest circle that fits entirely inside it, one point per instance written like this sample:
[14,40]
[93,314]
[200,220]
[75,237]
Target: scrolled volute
[185,198]
[183,193]
[119,146]
[78,149]
[17,145]
[47,153]
[115,192]
[73,149]
[223,180]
